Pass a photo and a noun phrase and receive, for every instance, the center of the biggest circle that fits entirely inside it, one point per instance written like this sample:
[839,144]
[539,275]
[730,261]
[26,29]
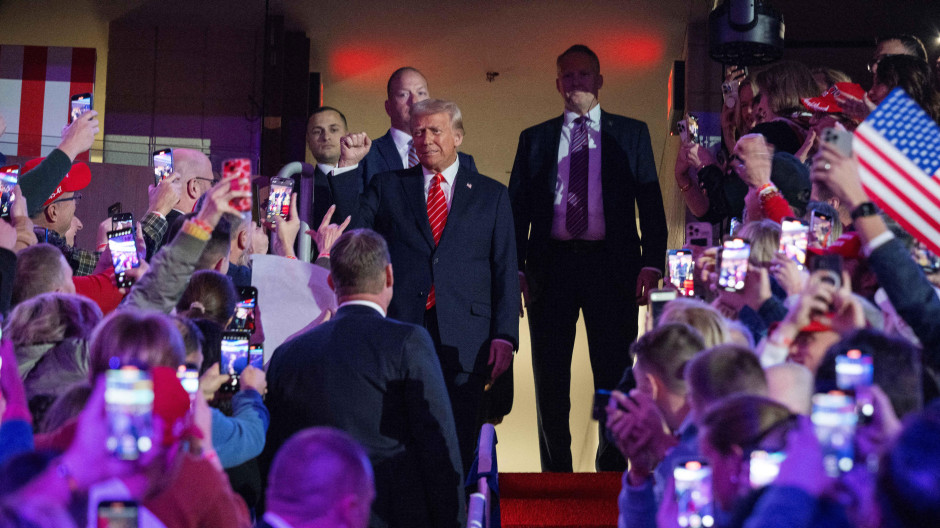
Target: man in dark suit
[396,150]
[450,233]
[324,130]
[380,381]
[574,182]
[320,478]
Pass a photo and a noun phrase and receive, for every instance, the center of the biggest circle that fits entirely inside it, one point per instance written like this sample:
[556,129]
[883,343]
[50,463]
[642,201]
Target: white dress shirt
[402,141]
[326,168]
[595,228]
[450,174]
[370,304]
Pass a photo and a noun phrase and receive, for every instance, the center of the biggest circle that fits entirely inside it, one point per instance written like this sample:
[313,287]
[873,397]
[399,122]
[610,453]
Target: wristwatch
[864,209]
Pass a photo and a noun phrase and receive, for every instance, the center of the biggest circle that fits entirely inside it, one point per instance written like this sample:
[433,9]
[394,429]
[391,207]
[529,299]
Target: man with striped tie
[396,150]
[450,235]
[576,182]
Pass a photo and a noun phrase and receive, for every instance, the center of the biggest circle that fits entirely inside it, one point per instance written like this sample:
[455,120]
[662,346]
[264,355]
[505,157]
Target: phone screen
[764,467]
[834,420]
[244,318]
[733,269]
[80,104]
[123,254]
[853,370]
[658,300]
[162,165]
[682,271]
[129,402]
[793,240]
[239,169]
[234,352]
[117,514]
[279,198]
[9,176]
[256,356]
[122,221]
[694,494]
[820,226]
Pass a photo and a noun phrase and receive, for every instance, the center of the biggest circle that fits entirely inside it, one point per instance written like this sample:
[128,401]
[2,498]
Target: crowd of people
[799,393]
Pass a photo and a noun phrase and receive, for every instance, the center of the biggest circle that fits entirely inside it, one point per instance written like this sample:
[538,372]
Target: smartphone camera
[829,267]
[239,169]
[123,255]
[244,318]
[794,238]
[78,105]
[693,480]
[162,165]
[279,198]
[129,403]
[9,176]
[732,267]
[234,356]
[682,271]
[834,421]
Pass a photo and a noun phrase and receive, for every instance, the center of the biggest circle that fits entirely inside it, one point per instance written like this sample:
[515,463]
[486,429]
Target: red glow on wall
[353,61]
[636,51]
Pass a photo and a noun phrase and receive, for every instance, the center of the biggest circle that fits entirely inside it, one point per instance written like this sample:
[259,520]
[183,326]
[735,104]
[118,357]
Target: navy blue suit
[380,381]
[473,270]
[599,278]
[384,157]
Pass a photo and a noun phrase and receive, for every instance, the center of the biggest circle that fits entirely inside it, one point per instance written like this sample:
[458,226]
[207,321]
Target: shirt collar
[450,173]
[401,138]
[594,115]
[326,168]
[370,304]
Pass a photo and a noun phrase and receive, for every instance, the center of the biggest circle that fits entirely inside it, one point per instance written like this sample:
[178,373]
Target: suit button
[422,294]
[435,260]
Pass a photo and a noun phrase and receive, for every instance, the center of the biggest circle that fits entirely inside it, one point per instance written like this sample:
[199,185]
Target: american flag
[898,150]
[36,83]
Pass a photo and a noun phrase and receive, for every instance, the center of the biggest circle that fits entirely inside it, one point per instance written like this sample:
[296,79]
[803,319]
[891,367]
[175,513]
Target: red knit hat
[827,101]
[171,404]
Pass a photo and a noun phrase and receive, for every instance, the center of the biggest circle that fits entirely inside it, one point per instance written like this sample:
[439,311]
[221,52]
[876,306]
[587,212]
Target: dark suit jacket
[380,381]
[628,177]
[473,268]
[383,157]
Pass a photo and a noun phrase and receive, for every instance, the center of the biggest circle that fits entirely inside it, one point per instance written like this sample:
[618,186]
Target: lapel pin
[469,186]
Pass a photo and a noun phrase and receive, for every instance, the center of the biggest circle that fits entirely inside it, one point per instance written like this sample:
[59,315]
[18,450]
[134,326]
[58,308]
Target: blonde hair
[51,318]
[707,320]
[764,236]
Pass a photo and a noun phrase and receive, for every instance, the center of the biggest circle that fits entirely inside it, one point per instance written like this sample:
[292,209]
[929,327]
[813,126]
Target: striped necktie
[412,154]
[437,216]
[576,211]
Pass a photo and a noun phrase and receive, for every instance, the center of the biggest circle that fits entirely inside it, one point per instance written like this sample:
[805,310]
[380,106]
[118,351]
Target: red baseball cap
[848,245]
[78,177]
[827,101]
[815,326]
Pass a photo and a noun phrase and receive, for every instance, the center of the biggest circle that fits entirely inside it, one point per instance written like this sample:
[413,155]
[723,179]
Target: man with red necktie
[450,235]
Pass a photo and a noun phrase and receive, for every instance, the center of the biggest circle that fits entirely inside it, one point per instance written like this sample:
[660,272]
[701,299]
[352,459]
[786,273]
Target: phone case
[239,169]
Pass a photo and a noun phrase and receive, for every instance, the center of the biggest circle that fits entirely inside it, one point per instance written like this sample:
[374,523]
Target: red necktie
[576,212]
[437,216]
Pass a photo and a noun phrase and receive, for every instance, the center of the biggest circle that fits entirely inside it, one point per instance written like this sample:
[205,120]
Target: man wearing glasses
[56,218]
[195,178]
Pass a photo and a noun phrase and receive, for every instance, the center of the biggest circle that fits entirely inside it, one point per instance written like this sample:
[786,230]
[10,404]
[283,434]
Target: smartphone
[115,208]
[698,234]
[279,198]
[256,356]
[189,379]
[244,318]
[820,228]
[926,259]
[733,226]
[9,176]
[658,300]
[842,139]
[162,165]
[128,400]
[117,514]
[80,103]
[693,480]
[682,271]
[834,419]
[234,356]
[830,266]
[732,267]
[794,237]
[854,370]
[239,169]
[123,255]
[122,221]
[764,467]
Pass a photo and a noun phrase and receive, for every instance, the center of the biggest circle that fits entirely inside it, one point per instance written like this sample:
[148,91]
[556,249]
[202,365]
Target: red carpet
[558,499]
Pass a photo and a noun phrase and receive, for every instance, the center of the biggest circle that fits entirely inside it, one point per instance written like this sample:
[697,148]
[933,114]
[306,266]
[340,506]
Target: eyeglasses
[873,64]
[77,197]
[210,180]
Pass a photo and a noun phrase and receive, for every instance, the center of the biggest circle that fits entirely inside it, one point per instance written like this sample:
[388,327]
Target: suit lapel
[608,185]
[412,182]
[389,152]
[463,194]
[554,131]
